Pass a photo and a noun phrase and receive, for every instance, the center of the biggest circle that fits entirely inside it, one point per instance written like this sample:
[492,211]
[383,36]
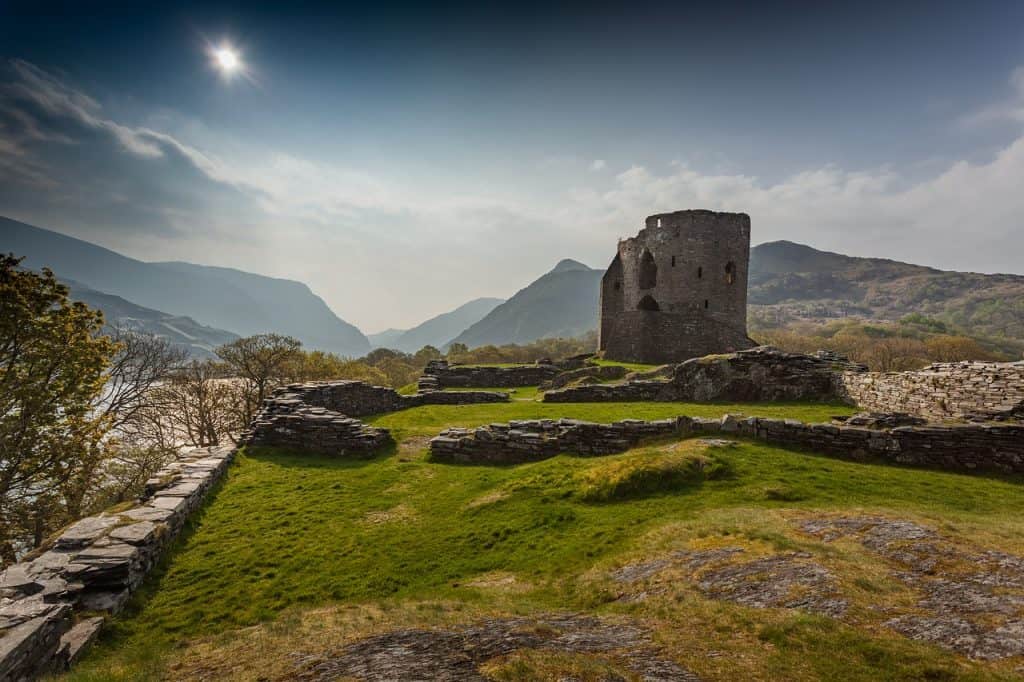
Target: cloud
[1010,109]
[598,164]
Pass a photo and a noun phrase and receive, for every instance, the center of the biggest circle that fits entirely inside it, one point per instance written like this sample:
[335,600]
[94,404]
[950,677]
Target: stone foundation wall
[945,391]
[759,374]
[472,376]
[966,447]
[94,566]
[595,372]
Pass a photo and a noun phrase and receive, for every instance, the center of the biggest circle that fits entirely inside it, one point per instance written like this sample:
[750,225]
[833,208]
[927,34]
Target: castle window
[673,261]
[700,272]
[648,303]
[659,222]
[706,304]
[618,286]
[648,271]
[730,272]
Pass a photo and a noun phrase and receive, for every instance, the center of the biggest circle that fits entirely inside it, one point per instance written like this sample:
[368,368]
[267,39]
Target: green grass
[294,530]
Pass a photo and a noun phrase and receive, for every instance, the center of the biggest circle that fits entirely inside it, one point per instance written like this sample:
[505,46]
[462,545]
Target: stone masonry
[758,374]
[485,376]
[678,289]
[53,603]
[943,391]
[963,447]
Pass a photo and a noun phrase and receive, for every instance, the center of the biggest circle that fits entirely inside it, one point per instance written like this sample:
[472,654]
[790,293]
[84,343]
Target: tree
[52,361]
[948,348]
[262,361]
[200,406]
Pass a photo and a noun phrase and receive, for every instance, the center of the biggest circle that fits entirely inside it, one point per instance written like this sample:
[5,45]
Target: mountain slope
[799,281]
[197,339]
[562,302]
[229,299]
[386,338]
[437,331]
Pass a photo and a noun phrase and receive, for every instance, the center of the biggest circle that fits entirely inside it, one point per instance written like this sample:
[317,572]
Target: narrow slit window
[673,261]
[706,303]
[700,272]
[730,272]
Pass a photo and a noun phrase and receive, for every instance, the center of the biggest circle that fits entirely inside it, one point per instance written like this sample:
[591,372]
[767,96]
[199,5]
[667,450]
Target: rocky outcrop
[759,374]
[485,376]
[95,565]
[958,447]
[943,391]
[595,372]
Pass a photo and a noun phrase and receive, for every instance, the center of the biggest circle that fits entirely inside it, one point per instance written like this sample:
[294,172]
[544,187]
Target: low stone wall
[759,374]
[944,391]
[320,416]
[965,447]
[532,440]
[94,566]
[477,376]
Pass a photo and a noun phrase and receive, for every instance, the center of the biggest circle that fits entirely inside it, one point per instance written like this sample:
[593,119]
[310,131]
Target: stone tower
[678,289]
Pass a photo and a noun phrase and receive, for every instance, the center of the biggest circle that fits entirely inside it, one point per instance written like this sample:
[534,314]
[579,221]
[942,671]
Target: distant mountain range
[799,281]
[199,340]
[238,301]
[202,306]
[437,331]
[563,302]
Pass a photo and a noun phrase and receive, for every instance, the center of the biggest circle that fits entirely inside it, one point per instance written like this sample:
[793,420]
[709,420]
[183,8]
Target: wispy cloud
[1009,109]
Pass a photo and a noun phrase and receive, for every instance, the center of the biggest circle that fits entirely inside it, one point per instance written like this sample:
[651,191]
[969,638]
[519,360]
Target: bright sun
[227,59]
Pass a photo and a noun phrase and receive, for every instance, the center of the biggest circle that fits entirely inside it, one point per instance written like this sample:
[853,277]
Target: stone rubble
[96,564]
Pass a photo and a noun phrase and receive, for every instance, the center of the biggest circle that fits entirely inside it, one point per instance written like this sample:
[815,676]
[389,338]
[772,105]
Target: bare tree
[201,406]
[262,361]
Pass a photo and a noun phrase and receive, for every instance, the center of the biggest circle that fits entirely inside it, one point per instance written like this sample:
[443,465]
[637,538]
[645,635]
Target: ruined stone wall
[678,289]
[759,374]
[958,447]
[943,391]
[482,376]
[320,416]
[95,566]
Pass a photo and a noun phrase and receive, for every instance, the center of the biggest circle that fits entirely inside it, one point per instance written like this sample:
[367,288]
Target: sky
[403,159]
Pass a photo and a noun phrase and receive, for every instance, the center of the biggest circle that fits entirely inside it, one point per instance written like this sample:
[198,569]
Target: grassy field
[299,552]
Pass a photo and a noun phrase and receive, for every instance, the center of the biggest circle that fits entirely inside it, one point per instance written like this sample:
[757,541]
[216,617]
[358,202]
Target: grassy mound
[647,473]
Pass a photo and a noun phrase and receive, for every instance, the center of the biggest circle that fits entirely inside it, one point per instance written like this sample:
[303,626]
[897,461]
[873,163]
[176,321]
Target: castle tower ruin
[678,289]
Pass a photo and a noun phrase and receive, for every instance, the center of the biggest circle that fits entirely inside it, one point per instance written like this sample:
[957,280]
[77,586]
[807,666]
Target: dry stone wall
[958,447]
[484,376]
[94,566]
[759,374]
[943,391]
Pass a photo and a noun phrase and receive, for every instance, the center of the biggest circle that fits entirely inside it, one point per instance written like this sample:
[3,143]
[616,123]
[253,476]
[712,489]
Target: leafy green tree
[52,362]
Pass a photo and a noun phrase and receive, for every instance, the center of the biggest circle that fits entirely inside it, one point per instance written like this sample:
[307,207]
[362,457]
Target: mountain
[794,280]
[241,302]
[386,338]
[562,302]
[197,339]
[437,331]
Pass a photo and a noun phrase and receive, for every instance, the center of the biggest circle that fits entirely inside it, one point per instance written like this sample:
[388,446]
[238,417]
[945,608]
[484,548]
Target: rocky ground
[623,648]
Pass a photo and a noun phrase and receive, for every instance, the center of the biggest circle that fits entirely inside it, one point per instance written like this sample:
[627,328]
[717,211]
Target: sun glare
[226,59]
